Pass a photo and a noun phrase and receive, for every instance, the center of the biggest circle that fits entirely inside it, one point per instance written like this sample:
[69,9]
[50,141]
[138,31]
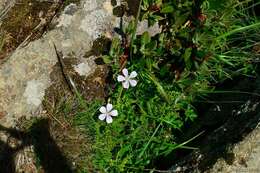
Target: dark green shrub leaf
[107,59]
[145,39]
[167,9]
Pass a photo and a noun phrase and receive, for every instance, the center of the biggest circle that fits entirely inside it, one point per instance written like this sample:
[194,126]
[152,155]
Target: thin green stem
[135,27]
[232,92]
[159,87]
[147,144]
[188,141]
[155,118]
[120,94]
[237,30]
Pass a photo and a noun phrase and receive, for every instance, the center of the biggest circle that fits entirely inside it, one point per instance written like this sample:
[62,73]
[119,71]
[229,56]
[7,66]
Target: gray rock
[71,9]
[25,75]
[231,124]
[5,5]
[247,156]
[143,27]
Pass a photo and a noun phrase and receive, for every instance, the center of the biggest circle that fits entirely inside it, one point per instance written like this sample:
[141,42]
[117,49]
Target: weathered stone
[5,5]
[82,69]
[25,75]
[231,140]
[247,156]
[70,9]
[144,27]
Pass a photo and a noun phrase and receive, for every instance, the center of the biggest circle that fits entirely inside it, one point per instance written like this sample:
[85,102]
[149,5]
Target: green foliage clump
[201,43]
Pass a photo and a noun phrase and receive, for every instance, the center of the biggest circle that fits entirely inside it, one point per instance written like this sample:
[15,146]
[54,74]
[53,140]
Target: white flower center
[127,78]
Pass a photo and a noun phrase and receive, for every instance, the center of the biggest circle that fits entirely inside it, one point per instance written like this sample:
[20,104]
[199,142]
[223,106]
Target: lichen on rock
[34,92]
[25,75]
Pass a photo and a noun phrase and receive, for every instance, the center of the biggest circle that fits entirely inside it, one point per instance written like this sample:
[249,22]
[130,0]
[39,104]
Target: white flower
[107,113]
[127,79]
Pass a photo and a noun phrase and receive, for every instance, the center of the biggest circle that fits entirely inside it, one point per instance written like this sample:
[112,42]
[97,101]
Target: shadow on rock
[226,118]
[46,150]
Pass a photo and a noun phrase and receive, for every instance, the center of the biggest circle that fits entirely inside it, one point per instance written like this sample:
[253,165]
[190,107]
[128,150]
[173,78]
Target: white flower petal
[133,83]
[103,110]
[120,78]
[102,116]
[126,84]
[109,119]
[125,72]
[114,113]
[133,74]
[109,107]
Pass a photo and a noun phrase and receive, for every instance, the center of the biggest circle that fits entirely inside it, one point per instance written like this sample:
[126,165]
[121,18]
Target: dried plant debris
[27,20]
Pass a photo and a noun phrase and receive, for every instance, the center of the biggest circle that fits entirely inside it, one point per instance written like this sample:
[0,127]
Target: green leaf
[157,17]
[145,39]
[115,47]
[152,45]
[186,57]
[107,59]
[167,9]
[130,28]
[145,15]
[145,5]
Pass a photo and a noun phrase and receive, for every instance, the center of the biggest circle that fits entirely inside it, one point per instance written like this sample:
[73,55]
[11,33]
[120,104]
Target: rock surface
[5,5]
[244,155]
[230,143]
[246,158]
[25,75]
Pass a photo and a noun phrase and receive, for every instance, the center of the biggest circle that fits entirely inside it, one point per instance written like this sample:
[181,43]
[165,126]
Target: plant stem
[159,87]
[135,27]
[182,145]
[241,29]
[120,94]
[233,92]
[147,144]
